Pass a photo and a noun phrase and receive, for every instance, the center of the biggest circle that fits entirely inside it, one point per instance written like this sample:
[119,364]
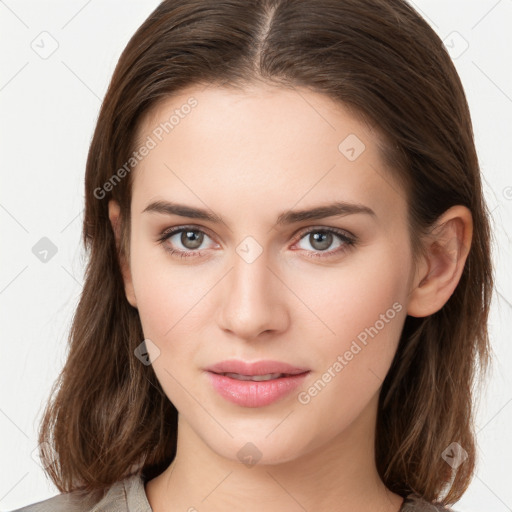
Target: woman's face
[260,281]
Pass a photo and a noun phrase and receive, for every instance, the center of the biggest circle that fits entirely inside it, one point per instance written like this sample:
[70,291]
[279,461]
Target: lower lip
[250,393]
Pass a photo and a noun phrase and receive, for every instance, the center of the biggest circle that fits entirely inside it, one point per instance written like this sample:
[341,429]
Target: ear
[439,271]
[113,214]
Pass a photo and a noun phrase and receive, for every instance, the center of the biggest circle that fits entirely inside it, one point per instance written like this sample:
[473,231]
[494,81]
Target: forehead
[267,145]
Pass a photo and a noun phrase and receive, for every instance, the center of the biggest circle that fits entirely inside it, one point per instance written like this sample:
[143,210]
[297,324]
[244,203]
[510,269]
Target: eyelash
[348,241]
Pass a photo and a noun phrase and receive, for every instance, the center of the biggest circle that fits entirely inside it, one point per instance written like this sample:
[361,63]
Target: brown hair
[110,417]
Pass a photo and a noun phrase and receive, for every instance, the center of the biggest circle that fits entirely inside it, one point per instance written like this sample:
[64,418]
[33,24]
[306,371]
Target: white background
[48,113]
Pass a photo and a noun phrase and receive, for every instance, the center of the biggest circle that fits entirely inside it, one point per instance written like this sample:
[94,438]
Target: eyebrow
[338,208]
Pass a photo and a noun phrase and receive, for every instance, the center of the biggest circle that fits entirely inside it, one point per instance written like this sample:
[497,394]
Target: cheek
[365,309]
[362,308]
[170,311]
[167,293]
[170,302]
[352,295]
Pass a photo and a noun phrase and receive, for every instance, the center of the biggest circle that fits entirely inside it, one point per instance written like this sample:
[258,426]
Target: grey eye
[320,240]
[191,239]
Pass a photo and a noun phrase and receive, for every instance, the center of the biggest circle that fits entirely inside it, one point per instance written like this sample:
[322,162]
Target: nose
[253,299]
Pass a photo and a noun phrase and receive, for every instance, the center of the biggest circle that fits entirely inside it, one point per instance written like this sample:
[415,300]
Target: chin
[259,450]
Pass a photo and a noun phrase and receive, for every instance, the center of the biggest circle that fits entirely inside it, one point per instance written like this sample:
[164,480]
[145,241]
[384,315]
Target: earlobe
[441,266]
[114,216]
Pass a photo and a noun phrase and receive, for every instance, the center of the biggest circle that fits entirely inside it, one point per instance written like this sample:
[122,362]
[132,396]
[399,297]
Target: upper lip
[256,368]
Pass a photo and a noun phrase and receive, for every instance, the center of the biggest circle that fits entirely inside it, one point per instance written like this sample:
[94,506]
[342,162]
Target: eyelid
[178,229]
[339,231]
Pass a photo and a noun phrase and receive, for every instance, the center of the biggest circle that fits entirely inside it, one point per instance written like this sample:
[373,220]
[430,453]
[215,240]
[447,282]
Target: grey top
[129,495]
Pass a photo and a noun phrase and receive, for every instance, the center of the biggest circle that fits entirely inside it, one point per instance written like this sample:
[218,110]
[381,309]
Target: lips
[255,384]
[262,370]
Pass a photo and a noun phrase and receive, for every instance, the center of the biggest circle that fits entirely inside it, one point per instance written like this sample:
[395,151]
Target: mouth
[259,378]
[262,370]
[255,384]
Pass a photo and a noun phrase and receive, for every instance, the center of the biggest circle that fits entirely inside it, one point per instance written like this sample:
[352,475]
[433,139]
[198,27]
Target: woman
[289,277]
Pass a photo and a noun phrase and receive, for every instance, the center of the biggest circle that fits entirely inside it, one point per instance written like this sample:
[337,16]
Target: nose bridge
[252,302]
[250,278]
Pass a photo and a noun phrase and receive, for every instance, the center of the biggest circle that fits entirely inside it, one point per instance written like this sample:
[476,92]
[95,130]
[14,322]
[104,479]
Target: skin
[248,156]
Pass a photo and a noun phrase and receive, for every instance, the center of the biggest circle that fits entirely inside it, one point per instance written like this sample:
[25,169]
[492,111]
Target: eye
[320,239]
[187,239]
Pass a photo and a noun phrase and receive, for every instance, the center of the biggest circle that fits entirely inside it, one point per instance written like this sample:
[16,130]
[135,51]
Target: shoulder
[121,496]
[414,503]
